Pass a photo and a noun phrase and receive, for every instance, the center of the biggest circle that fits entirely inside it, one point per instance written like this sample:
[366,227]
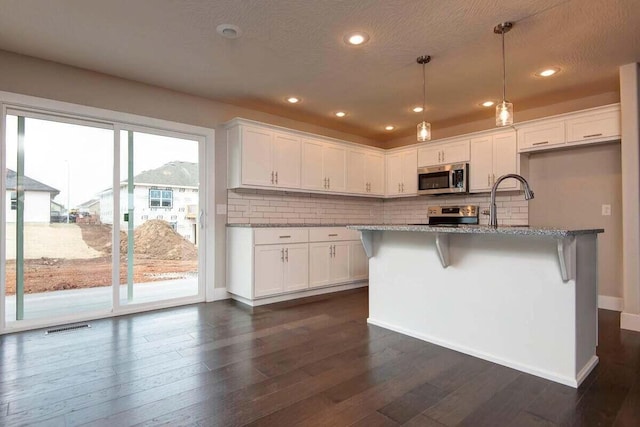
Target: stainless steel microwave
[444,179]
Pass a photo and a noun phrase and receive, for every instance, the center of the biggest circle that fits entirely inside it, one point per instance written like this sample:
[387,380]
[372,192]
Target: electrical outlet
[606,210]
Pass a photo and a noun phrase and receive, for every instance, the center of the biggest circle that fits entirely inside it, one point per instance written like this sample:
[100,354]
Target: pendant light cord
[424,92]
[504,72]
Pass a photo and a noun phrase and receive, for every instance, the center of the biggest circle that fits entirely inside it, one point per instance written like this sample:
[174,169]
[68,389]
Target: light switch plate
[606,210]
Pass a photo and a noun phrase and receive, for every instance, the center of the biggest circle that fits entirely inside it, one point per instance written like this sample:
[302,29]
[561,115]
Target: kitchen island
[521,297]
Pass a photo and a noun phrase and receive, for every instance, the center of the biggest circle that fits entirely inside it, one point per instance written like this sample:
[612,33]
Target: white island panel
[501,298]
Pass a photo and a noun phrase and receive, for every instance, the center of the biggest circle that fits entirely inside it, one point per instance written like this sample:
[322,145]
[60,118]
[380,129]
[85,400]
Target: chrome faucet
[493,214]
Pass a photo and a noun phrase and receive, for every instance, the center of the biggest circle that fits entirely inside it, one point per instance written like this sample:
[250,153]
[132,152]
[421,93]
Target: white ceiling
[295,47]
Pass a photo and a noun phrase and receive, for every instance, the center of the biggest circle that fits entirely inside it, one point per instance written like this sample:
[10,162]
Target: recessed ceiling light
[488,104]
[293,100]
[418,109]
[548,72]
[229,31]
[356,38]
[341,114]
[389,127]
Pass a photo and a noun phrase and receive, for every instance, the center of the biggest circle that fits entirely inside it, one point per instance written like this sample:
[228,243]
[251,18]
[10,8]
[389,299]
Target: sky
[78,159]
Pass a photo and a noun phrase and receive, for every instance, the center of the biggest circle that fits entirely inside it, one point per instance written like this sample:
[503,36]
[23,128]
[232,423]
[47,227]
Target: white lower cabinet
[290,262]
[329,263]
[280,268]
[358,261]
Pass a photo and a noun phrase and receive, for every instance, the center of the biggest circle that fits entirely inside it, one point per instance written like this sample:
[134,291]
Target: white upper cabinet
[444,153]
[365,172]
[402,173]
[312,172]
[263,158]
[592,126]
[257,164]
[598,126]
[286,160]
[541,135]
[491,157]
[324,166]
[334,164]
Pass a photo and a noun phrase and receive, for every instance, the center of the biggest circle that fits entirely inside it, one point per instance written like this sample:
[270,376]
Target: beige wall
[570,188]
[45,79]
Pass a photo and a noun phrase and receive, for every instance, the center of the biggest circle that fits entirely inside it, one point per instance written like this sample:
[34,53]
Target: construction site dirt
[158,252]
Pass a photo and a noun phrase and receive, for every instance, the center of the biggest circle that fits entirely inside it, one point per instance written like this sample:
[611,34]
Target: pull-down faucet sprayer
[528,195]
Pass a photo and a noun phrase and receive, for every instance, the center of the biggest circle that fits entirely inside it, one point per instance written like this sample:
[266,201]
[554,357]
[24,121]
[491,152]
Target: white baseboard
[571,382]
[300,294]
[220,294]
[610,303]
[630,321]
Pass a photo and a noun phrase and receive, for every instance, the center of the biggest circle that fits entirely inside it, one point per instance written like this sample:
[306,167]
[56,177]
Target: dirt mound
[156,239]
[98,236]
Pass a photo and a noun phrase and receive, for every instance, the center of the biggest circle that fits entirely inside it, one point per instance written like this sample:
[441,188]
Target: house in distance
[168,193]
[37,199]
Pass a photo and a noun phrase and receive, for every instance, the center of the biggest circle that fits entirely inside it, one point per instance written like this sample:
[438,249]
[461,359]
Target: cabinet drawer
[541,136]
[271,236]
[593,127]
[332,234]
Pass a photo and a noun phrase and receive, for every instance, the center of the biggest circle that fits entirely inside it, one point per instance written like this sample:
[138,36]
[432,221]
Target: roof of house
[29,184]
[177,174]
[89,203]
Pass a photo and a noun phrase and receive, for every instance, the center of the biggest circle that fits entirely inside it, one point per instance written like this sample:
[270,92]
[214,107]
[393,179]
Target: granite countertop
[284,225]
[479,229]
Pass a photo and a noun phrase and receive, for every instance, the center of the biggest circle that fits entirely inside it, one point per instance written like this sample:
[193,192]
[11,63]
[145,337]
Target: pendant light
[424,128]
[504,110]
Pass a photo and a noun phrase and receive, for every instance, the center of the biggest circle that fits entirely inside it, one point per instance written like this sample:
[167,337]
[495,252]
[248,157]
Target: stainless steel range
[453,215]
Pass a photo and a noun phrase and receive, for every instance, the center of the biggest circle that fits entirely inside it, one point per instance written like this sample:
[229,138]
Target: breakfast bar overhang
[525,298]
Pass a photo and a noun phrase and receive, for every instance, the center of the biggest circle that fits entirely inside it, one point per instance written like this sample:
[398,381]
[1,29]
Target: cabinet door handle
[276,177]
[286,254]
[272,177]
[398,187]
[592,135]
[333,235]
[285,237]
[439,156]
[443,155]
[330,251]
[282,255]
[403,187]
[540,143]
[334,251]
[329,182]
[493,179]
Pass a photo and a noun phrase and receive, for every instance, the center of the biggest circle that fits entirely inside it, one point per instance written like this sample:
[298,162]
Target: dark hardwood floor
[313,363]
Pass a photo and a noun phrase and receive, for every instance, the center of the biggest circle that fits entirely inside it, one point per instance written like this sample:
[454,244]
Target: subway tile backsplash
[247,206]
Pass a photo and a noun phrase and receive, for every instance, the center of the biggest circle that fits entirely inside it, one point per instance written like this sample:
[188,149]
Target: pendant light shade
[424,128]
[504,114]
[504,110]
[424,131]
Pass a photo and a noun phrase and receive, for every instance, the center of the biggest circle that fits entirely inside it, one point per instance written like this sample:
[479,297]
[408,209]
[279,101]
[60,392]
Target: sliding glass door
[159,217]
[98,219]
[58,251]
